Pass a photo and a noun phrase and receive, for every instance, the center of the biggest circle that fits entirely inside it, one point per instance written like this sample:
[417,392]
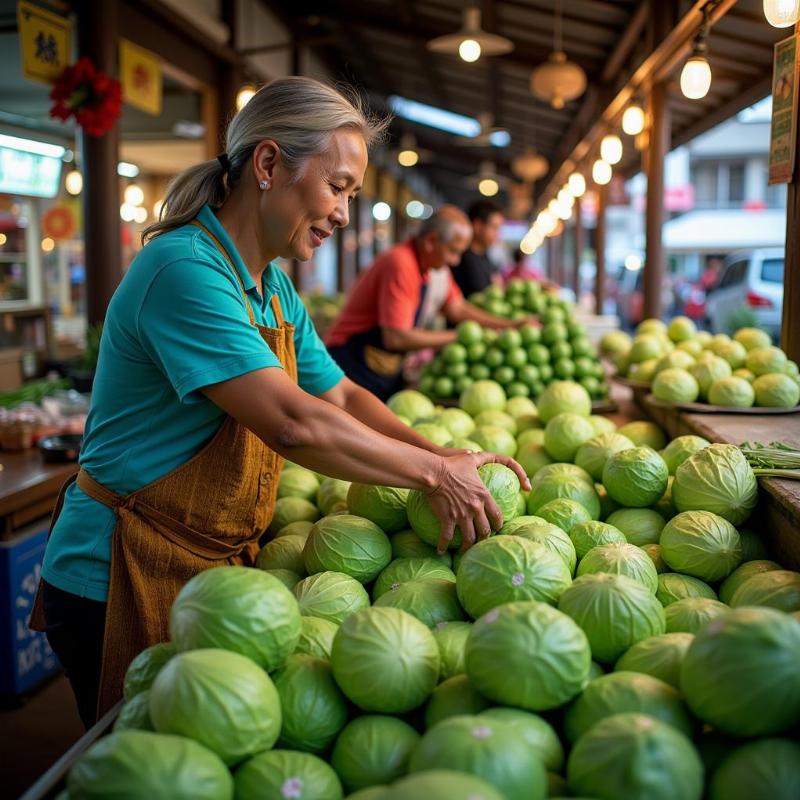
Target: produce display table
[28,488]
[778,514]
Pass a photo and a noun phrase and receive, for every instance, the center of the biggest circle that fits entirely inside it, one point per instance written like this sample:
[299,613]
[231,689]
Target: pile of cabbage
[684,365]
[624,636]
[525,360]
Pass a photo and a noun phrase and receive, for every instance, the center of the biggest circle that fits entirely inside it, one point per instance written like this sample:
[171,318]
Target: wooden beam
[654,267]
[627,42]
[659,64]
[579,245]
[600,250]
[748,97]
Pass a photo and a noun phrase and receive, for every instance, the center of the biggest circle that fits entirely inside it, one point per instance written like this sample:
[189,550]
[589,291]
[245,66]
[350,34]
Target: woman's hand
[460,498]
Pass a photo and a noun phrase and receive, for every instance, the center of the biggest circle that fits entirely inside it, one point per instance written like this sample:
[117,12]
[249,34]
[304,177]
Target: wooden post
[790,323]
[654,267]
[98,39]
[231,76]
[579,244]
[600,251]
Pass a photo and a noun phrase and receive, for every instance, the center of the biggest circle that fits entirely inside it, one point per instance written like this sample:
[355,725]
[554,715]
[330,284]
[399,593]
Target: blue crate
[25,656]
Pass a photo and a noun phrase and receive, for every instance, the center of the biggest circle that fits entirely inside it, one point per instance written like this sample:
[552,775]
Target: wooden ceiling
[380,46]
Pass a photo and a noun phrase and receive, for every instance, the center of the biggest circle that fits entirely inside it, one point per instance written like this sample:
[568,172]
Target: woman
[210,373]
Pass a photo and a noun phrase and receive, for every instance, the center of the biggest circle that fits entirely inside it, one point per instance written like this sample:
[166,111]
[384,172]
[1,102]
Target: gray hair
[300,114]
[445,223]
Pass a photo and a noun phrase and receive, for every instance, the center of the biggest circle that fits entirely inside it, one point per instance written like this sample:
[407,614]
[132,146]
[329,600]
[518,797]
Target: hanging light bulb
[469,50]
[577,184]
[488,187]
[245,95]
[563,210]
[548,222]
[408,154]
[565,198]
[782,13]
[696,72]
[611,149]
[633,120]
[601,172]
[552,207]
[696,77]
[73,182]
[134,195]
[140,214]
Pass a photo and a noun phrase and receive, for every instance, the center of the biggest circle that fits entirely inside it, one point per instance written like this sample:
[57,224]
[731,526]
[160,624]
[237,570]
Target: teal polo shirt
[177,322]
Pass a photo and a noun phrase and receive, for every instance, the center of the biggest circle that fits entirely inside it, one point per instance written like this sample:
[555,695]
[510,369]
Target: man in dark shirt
[475,271]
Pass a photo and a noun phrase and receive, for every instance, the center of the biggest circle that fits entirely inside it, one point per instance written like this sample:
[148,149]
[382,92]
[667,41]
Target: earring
[263,184]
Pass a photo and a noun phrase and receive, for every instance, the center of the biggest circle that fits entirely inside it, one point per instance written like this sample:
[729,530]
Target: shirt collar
[209,219]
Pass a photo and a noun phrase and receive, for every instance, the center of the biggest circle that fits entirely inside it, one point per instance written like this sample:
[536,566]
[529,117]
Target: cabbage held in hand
[501,482]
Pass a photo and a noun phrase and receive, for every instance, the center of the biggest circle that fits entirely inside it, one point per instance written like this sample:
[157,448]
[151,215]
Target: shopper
[389,309]
[210,373]
[476,270]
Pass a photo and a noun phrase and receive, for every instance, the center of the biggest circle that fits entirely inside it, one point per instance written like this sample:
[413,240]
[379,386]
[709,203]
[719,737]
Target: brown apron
[208,512]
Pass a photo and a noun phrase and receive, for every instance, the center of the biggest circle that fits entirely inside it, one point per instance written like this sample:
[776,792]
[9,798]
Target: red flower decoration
[94,99]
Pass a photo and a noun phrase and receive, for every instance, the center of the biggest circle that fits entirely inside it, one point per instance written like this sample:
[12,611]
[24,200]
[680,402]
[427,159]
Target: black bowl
[61,449]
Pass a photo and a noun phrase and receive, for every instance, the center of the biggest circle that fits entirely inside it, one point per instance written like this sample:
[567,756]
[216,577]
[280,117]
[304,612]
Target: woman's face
[300,213]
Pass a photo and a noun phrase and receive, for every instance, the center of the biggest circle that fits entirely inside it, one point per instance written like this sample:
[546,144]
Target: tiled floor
[35,734]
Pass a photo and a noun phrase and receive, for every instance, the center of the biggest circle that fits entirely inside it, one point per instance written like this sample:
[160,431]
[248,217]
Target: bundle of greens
[773,460]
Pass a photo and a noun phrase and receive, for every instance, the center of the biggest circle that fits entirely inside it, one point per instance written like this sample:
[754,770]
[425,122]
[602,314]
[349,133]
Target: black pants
[350,358]
[74,626]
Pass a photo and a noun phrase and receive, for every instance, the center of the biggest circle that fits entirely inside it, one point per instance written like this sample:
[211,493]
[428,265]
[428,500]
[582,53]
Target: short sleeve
[193,323]
[317,372]
[397,295]
[453,292]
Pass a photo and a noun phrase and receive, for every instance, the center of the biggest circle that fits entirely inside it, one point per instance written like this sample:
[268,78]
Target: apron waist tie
[177,532]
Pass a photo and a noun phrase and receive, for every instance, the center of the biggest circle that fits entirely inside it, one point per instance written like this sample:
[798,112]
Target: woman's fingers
[467,528]
[445,537]
[496,458]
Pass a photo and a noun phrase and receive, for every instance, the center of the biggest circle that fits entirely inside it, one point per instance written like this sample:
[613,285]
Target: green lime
[516,357]
[494,293]
[504,375]
[516,301]
[538,354]
[564,368]
[454,353]
[591,384]
[528,374]
[476,351]
[508,338]
[537,388]
[584,367]
[469,332]
[560,350]
[458,370]
[517,389]
[479,372]
[583,347]
[530,334]
[426,384]
[443,387]
[494,357]
[554,332]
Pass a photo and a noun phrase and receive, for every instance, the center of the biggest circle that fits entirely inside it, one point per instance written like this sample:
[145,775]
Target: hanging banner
[44,40]
[783,132]
[140,73]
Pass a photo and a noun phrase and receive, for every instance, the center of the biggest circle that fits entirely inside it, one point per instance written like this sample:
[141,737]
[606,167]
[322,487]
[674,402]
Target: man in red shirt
[388,311]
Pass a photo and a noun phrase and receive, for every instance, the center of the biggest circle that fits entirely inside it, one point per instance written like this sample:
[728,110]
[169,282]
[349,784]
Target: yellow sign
[44,42]
[140,73]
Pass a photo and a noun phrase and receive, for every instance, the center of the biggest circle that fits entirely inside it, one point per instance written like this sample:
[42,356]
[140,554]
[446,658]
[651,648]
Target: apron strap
[227,257]
[277,310]
[176,531]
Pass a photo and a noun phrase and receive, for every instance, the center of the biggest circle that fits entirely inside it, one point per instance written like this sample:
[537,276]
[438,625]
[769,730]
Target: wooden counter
[778,514]
[28,488]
